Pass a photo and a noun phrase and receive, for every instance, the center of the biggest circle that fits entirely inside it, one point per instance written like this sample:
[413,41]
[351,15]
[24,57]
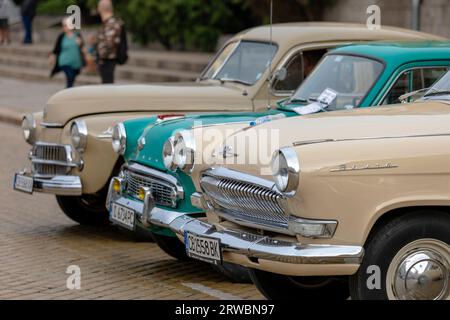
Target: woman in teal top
[68,55]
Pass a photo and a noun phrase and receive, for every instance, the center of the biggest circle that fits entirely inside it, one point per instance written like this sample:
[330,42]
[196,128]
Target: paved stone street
[38,244]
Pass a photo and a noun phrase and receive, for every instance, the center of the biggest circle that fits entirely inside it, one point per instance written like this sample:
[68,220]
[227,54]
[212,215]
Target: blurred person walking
[111,42]
[28,11]
[68,55]
[5,11]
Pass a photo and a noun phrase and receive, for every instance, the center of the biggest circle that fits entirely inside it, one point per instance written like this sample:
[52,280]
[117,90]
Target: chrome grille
[163,193]
[50,152]
[244,200]
[50,159]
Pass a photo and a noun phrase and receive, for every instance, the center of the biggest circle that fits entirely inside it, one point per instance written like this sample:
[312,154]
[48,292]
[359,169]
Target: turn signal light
[117,185]
[141,194]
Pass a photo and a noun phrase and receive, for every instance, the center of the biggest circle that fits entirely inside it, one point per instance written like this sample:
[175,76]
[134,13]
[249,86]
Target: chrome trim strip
[52,125]
[308,142]
[219,124]
[53,162]
[135,167]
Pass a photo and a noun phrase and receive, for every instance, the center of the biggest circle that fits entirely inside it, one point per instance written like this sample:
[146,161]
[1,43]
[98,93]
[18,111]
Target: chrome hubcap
[420,271]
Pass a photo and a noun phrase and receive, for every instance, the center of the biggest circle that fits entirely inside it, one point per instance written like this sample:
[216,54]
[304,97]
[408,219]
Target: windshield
[243,61]
[349,78]
[440,90]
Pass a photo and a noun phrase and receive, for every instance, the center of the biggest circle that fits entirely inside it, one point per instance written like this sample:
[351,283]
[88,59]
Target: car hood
[421,118]
[184,97]
[146,137]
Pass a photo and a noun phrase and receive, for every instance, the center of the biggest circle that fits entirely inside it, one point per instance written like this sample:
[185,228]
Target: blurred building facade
[434,15]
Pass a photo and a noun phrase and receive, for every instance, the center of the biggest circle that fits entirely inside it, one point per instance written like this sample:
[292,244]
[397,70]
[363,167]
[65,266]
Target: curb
[10,116]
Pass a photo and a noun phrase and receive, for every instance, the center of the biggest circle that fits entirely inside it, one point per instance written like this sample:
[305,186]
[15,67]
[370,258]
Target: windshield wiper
[404,98]
[437,93]
[223,80]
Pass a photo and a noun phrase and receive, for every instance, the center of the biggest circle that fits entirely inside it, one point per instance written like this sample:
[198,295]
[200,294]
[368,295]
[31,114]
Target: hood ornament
[226,152]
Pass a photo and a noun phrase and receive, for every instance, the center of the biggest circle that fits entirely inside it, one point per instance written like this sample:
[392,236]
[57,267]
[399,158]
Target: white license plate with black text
[23,183]
[203,248]
[123,216]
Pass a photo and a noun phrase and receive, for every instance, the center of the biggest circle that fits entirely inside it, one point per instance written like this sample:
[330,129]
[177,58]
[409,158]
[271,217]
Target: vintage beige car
[71,155]
[352,203]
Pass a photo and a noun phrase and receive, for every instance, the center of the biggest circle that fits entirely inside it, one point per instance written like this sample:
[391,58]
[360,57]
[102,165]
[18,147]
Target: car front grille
[163,192]
[244,201]
[51,159]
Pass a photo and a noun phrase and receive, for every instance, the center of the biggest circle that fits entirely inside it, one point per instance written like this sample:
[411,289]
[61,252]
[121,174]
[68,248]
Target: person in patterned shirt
[108,41]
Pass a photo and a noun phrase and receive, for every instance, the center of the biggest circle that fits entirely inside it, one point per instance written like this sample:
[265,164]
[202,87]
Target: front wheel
[88,210]
[406,259]
[279,287]
[233,272]
[172,246]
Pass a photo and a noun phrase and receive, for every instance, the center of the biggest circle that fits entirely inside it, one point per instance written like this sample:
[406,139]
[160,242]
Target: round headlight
[29,128]
[169,153]
[286,170]
[119,139]
[78,134]
[184,151]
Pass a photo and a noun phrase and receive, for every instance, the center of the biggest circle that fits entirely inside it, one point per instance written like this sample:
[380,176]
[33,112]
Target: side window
[298,68]
[413,80]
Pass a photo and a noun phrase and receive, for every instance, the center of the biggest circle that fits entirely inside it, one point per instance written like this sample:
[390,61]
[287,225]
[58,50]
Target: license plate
[202,248]
[23,183]
[123,216]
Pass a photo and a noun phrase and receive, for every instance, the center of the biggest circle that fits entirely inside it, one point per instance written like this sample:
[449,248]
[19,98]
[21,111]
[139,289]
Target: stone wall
[435,14]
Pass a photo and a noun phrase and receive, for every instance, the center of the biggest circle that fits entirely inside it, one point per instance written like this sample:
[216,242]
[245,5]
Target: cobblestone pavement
[37,244]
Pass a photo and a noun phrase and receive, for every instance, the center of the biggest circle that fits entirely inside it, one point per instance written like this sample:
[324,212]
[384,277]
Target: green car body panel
[395,57]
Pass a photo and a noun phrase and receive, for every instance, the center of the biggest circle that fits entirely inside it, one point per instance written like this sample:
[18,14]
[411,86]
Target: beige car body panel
[355,167]
[104,106]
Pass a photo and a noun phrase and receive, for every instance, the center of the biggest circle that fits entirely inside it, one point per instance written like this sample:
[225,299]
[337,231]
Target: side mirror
[279,75]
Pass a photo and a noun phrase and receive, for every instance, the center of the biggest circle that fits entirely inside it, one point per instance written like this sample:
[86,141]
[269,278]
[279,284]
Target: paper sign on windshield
[309,109]
[325,99]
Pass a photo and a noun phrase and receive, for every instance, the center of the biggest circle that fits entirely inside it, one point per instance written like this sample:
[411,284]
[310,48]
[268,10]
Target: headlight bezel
[119,139]
[29,124]
[80,138]
[168,154]
[289,166]
[186,138]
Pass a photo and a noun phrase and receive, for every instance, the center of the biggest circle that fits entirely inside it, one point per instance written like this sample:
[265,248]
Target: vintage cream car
[351,203]
[71,155]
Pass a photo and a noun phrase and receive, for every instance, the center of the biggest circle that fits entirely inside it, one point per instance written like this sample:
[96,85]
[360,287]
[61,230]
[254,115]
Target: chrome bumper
[58,185]
[248,244]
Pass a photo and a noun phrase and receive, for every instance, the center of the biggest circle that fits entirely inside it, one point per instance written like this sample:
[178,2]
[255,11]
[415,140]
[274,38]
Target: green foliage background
[193,24]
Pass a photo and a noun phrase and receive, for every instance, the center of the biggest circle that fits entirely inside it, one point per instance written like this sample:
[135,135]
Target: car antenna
[269,90]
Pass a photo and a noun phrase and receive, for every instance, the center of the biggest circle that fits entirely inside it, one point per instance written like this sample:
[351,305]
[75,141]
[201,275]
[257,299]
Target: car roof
[291,34]
[399,51]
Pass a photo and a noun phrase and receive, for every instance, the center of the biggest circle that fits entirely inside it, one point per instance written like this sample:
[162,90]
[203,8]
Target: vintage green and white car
[71,155]
[352,203]
[157,151]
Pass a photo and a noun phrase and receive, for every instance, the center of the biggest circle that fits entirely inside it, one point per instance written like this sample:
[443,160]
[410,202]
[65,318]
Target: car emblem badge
[141,143]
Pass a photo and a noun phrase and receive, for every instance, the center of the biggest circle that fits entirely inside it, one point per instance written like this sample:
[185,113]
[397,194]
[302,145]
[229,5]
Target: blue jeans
[28,26]
[71,75]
